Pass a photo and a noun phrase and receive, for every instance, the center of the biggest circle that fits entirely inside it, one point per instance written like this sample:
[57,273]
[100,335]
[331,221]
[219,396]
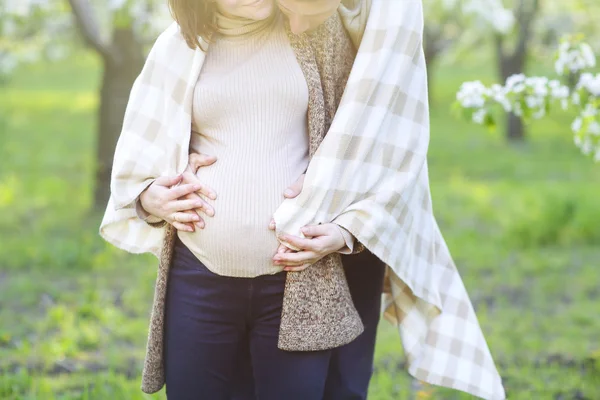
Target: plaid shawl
[370,172]
[370,175]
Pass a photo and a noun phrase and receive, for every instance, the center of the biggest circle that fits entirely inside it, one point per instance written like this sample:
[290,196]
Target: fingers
[190,177]
[316,230]
[182,227]
[300,243]
[197,160]
[182,190]
[272,224]
[297,269]
[186,221]
[295,259]
[283,249]
[295,189]
[168,180]
[185,217]
[197,205]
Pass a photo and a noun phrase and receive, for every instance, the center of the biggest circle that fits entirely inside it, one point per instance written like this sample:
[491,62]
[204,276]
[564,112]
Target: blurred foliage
[521,222]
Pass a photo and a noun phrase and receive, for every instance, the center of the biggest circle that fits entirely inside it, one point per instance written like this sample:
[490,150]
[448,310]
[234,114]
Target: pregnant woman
[225,291]
[230,79]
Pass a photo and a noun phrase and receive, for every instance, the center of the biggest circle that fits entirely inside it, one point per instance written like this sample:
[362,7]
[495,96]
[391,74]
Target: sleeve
[348,239]
[352,245]
[150,219]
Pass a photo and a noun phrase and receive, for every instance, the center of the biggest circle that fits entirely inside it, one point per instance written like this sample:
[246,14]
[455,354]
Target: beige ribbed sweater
[250,111]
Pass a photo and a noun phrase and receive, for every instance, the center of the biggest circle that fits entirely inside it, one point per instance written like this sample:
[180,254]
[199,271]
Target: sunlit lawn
[522,222]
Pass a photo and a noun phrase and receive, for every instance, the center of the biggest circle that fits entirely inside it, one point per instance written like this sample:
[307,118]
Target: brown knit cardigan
[317,309]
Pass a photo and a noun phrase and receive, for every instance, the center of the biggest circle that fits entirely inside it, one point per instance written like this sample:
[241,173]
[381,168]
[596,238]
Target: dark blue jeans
[212,319]
[221,337]
[351,366]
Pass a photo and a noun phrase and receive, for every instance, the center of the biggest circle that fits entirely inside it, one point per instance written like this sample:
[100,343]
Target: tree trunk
[511,65]
[119,74]
[515,130]
[513,62]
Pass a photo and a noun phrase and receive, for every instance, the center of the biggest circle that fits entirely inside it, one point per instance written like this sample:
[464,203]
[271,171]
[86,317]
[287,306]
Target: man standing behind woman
[225,287]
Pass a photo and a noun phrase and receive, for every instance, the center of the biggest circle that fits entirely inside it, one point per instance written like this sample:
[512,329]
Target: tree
[116,30]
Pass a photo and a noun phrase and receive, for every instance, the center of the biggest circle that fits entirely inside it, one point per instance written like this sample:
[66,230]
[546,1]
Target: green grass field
[522,222]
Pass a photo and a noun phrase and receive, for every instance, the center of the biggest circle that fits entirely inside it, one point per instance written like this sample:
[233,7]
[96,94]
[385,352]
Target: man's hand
[321,240]
[162,199]
[181,205]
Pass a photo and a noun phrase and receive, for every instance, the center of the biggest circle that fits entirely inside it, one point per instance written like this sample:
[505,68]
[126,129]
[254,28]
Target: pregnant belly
[233,244]
[237,241]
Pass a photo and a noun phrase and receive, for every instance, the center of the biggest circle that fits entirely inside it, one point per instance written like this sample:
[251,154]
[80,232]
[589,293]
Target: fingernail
[213,196]
[197,187]
[288,192]
[200,225]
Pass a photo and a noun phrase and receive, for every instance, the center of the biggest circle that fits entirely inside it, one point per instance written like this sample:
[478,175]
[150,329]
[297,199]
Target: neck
[234,26]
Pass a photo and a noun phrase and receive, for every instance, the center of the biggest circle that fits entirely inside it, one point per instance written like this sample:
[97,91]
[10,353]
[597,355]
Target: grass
[522,223]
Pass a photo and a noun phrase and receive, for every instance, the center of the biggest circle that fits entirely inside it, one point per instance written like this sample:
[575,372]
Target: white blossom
[573,57]
[493,12]
[589,111]
[479,116]
[576,125]
[533,96]
[590,82]
[472,94]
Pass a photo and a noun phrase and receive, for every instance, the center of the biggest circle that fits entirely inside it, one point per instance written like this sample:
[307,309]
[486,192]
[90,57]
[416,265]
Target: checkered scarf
[154,140]
[370,175]
[370,172]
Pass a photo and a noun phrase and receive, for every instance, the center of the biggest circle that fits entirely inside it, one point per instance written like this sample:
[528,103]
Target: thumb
[295,189]
[272,224]
[315,230]
[168,181]
[197,160]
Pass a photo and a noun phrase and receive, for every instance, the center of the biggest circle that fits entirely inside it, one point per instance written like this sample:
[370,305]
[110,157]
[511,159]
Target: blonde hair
[196,19]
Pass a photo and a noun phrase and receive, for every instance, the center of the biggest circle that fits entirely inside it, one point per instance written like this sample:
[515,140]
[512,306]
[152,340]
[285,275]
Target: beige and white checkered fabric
[370,174]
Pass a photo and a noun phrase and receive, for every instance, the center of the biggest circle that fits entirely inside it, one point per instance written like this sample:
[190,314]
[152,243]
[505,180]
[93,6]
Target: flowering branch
[534,97]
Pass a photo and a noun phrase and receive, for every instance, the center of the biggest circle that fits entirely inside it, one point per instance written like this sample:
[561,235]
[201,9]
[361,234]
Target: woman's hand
[321,240]
[196,161]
